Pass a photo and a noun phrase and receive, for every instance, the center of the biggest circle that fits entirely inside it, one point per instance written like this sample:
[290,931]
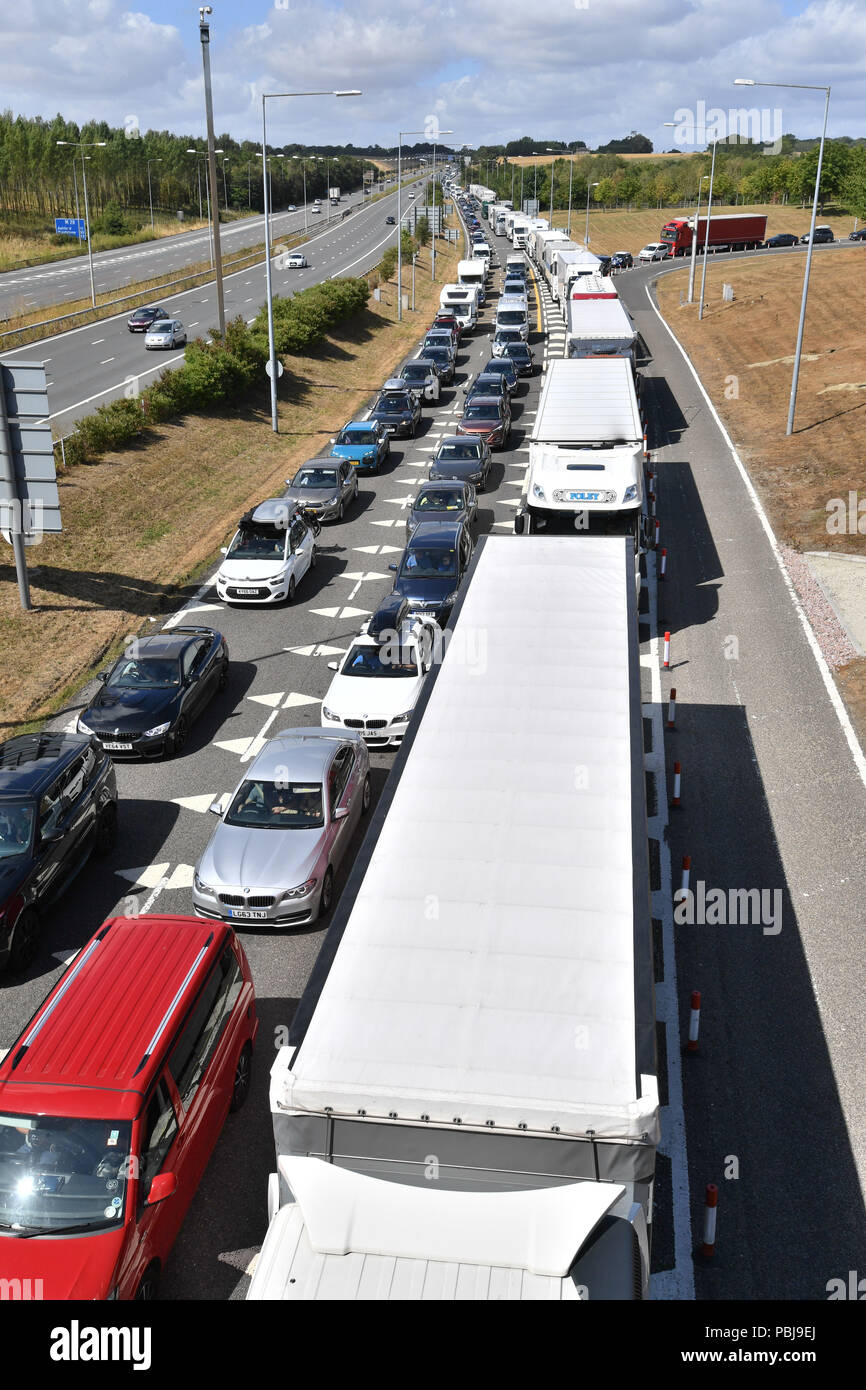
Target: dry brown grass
[141,524]
[752,340]
[17,251]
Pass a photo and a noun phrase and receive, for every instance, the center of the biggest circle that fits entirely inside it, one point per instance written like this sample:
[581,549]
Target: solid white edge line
[826,675]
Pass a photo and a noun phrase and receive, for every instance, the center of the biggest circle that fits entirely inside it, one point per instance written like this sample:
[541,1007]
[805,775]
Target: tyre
[314,558]
[339,518]
[243,1078]
[326,899]
[106,830]
[224,677]
[366,797]
[25,942]
[179,737]
[148,1288]
[291,590]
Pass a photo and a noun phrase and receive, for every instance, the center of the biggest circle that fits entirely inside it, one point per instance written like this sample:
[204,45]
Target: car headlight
[401,718]
[370,457]
[157,730]
[452,597]
[301,891]
[630,493]
[329,714]
[82,728]
[538,491]
[202,887]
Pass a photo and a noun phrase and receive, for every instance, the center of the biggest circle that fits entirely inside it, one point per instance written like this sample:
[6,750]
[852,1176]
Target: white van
[462,301]
[511,312]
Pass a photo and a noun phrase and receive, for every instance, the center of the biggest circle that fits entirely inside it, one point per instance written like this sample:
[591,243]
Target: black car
[140,319]
[822,235]
[446,501]
[621,260]
[152,693]
[390,221]
[444,363]
[434,562]
[783,239]
[398,412]
[858,236]
[487,384]
[464,458]
[521,355]
[507,369]
[58,801]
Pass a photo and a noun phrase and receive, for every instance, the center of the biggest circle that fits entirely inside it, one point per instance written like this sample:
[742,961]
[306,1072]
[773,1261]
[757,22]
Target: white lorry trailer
[473,272]
[597,322]
[567,266]
[586,452]
[468,1104]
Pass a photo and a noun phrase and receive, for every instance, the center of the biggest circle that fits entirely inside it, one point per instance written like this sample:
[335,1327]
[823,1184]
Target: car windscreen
[515,316]
[429,564]
[277,805]
[481,410]
[251,544]
[316,477]
[440,500]
[412,373]
[394,402]
[518,352]
[144,673]
[386,660]
[16,828]
[439,354]
[357,436]
[161,326]
[57,1171]
[458,452]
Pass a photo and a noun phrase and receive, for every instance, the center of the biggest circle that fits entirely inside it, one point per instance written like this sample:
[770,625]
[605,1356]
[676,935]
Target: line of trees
[36,175]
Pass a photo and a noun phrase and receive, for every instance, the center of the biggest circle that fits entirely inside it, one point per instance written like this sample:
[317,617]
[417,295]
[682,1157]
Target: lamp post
[589,188]
[272,351]
[694,251]
[804,87]
[400,134]
[552,172]
[570,184]
[707,233]
[225,184]
[433,215]
[202,154]
[86,145]
[149,190]
[204,35]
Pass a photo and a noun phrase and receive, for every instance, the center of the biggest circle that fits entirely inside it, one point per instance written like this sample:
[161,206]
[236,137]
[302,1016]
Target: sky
[489,70]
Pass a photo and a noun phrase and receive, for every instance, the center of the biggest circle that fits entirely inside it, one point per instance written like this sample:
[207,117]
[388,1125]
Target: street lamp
[204,35]
[707,231]
[149,190]
[203,154]
[552,172]
[433,217]
[570,183]
[804,87]
[272,351]
[86,145]
[694,253]
[589,187]
[400,135]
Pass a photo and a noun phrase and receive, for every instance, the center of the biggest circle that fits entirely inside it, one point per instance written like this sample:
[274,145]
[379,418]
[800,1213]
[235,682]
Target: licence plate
[118,747]
[248,591]
[246,912]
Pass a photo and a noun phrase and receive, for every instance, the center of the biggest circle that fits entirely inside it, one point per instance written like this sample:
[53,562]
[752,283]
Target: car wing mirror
[103,675]
[217,805]
[224,550]
[332,666]
[340,813]
[393,567]
[162,1186]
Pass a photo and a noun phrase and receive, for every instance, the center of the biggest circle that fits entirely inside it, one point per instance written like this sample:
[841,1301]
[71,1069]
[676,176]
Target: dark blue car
[433,564]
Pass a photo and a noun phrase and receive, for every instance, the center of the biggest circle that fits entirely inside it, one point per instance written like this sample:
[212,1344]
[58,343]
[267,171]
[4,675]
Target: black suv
[433,564]
[823,235]
[398,411]
[58,801]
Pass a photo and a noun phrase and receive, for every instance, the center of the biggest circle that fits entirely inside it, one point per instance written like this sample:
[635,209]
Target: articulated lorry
[597,322]
[735,231]
[468,1103]
[566,266]
[586,453]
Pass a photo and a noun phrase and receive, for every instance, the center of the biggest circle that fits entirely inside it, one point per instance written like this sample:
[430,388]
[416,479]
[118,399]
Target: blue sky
[490,69]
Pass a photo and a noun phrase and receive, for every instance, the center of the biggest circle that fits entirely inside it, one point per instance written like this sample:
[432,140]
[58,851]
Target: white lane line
[96,342]
[105,361]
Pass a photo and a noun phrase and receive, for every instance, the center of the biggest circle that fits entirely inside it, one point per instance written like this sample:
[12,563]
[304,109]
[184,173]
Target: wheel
[339,518]
[243,1078]
[314,557]
[327,896]
[179,737]
[106,830]
[148,1289]
[291,591]
[366,797]
[25,942]
[224,677]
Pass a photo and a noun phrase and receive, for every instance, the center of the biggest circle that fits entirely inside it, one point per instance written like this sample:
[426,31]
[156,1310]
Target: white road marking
[341,612]
[145,876]
[197,803]
[317,649]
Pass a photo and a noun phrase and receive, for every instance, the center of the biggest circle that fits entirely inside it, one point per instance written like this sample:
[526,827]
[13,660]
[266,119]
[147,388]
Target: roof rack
[173,1005]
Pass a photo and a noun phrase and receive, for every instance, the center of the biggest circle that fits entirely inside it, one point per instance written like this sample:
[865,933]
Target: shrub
[111,221]
[388,264]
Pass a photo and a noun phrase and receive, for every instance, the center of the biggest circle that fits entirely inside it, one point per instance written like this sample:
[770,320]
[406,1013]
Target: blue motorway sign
[71,226]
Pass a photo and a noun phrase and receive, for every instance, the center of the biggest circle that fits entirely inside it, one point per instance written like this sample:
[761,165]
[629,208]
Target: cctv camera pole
[694,256]
[204,31]
[799,348]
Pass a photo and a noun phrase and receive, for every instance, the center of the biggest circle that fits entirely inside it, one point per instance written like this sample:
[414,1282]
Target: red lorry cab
[111,1102]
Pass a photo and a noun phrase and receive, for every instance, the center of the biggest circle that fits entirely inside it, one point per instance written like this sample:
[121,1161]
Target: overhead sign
[71,226]
[29,500]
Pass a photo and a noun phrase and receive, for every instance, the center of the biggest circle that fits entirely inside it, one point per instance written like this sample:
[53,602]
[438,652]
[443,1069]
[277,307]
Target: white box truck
[473,272]
[468,1103]
[586,452]
[598,323]
[520,229]
[462,301]
[568,266]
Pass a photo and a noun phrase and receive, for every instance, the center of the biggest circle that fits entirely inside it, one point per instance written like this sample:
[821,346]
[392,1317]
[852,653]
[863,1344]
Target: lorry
[520,229]
[553,242]
[334,195]
[734,231]
[598,323]
[462,301]
[467,1105]
[473,272]
[567,266]
[586,452]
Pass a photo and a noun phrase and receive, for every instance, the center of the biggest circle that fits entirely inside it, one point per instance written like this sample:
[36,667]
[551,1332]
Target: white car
[316,208]
[378,682]
[292,208]
[296,261]
[654,251]
[271,551]
[165,333]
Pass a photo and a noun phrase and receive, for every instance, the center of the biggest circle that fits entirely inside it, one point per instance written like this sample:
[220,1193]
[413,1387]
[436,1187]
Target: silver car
[165,333]
[280,839]
[325,487]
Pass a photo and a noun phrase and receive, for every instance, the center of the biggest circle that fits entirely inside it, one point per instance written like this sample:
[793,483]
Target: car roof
[98,1030]
[493,401]
[304,752]
[455,439]
[440,485]
[29,762]
[435,533]
[357,425]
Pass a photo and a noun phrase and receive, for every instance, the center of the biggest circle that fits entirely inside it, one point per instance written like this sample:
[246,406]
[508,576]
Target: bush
[111,221]
[388,264]
[109,427]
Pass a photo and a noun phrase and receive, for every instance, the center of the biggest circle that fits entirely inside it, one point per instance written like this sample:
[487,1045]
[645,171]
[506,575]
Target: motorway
[58,282]
[87,367]
[773,797]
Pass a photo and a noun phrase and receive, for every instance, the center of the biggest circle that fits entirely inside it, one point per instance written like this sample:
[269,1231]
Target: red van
[112,1100]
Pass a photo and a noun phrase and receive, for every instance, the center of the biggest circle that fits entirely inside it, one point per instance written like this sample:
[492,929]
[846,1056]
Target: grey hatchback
[325,487]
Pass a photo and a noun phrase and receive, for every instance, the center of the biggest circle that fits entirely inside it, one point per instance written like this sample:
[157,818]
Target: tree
[604,192]
[388,264]
[422,231]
